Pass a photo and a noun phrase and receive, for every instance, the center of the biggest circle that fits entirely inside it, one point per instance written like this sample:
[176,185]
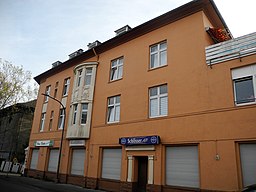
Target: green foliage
[14,84]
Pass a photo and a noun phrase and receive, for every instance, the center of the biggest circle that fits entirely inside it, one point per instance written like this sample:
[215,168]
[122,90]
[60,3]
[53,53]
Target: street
[12,182]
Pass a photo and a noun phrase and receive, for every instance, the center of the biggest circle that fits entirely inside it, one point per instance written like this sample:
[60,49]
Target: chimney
[123,30]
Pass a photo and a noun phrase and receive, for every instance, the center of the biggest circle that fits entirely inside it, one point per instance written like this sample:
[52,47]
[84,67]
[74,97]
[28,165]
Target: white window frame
[61,119]
[113,109]
[79,77]
[250,100]
[75,107]
[158,97]
[240,73]
[88,74]
[84,111]
[158,53]
[51,120]
[66,86]
[47,92]
[56,89]
[42,122]
[116,71]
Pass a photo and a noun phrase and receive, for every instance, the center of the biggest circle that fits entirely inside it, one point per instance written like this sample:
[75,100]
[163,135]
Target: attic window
[218,35]
[94,44]
[55,64]
[123,30]
[76,53]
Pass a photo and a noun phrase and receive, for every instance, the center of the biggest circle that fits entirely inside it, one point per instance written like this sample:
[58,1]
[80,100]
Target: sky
[36,33]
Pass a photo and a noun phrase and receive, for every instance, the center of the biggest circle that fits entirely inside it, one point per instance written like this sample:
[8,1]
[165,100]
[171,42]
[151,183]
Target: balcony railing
[231,49]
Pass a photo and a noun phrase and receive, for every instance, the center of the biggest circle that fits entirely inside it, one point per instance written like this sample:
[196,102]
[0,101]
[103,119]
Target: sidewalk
[10,174]
[16,182]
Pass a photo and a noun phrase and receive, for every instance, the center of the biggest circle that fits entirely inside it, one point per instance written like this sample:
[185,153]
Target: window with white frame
[66,86]
[88,76]
[244,90]
[47,92]
[51,120]
[42,121]
[74,113]
[116,69]
[113,109]
[158,55]
[79,77]
[56,89]
[244,84]
[61,119]
[158,101]
[84,111]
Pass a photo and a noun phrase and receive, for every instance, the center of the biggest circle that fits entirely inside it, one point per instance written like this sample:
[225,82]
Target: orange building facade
[160,107]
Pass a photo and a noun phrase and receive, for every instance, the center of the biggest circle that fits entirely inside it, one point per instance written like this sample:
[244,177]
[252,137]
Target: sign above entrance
[144,140]
[45,143]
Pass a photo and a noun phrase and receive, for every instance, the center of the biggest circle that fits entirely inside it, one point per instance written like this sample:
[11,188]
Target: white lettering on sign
[137,141]
[43,143]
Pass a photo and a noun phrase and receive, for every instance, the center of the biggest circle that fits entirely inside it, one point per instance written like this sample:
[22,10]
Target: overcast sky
[36,33]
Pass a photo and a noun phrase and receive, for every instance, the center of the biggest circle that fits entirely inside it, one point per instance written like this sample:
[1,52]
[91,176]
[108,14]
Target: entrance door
[142,174]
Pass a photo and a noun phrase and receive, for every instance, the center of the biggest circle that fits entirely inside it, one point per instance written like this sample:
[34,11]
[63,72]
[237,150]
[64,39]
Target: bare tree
[15,84]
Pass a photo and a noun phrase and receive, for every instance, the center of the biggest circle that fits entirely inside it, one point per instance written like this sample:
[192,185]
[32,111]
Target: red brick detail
[91,183]
[109,185]
[76,180]
[154,188]
[35,174]
[127,186]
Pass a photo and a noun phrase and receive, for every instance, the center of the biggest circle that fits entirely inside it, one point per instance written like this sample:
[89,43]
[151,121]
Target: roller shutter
[248,163]
[53,160]
[34,159]
[182,167]
[111,165]
[78,158]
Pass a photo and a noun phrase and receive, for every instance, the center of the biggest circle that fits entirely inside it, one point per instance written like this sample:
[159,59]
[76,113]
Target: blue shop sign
[145,140]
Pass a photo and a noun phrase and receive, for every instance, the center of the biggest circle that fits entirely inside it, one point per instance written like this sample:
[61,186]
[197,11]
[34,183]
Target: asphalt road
[16,183]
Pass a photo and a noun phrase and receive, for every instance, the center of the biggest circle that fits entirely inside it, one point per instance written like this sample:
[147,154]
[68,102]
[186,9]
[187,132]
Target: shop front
[140,155]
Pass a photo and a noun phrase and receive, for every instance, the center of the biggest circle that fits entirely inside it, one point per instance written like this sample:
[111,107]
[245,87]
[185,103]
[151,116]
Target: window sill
[180,188]
[152,69]
[245,104]
[115,80]
[158,117]
[113,123]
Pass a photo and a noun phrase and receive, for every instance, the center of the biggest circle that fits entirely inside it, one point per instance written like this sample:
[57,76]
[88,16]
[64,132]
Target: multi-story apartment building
[160,107]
